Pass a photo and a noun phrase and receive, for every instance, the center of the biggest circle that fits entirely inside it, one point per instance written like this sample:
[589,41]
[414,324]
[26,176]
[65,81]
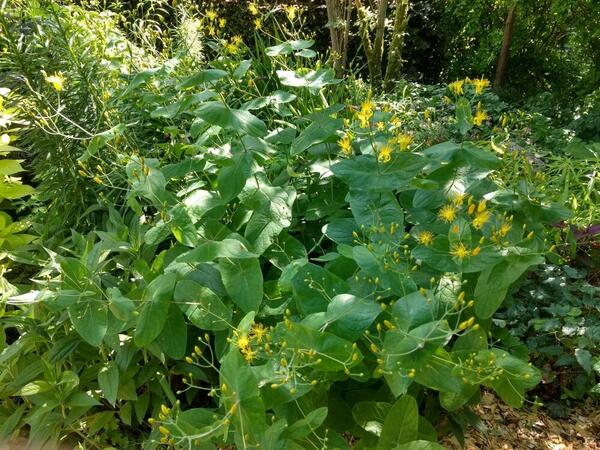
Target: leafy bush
[556,313]
[263,256]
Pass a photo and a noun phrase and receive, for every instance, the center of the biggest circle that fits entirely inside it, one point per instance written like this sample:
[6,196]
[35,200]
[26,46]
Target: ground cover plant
[229,245]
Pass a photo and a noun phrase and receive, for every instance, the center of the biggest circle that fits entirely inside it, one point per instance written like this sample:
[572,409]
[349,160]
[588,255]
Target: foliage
[257,246]
[12,236]
[556,313]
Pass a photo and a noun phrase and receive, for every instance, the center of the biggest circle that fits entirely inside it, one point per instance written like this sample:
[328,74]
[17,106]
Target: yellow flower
[459,199]
[476,251]
[290,11]
[426,114]
[237,39]
[222,23]
[480,84]
[385,153]
[447,213]
[243,342]
[249,354]
[504,229]
[211,30]
[460,251]
[253,9]
[481,206]
[404,141]
[259,331]
[57,80]
[457,87]
[481,219]
[380,126]
[425,238]
[345,145]
[395,121]
[231,48]
[211,14]
[258,24]
[480,117]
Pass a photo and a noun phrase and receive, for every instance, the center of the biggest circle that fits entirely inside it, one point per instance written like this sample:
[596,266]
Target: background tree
[374,46]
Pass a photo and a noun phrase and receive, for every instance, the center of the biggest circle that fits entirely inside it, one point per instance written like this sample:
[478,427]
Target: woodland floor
[531,429]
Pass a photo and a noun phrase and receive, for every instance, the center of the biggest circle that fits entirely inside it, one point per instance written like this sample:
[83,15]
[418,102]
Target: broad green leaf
[288,47]
[313,286]
[108,381]
[90,319]
[340,230]
[517,376]
[464,116]
[201,306]
[232,177]
[364,173]
[81,400]
[155,309]
[333,352]
[493,283]
[306,425]
[316,133]
[211,250]
[412,311]
[371,415]
[205,76]
[241,70]
[401,423]
[101,139]
[10,167]
[35,387]
[243,281]
[376,209]
[412,350]
[349,316]
[243,392]
[217,113]
[173,337]
[121,306]
[313,80]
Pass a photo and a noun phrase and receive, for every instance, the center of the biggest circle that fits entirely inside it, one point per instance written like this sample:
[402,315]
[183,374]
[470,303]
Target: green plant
[265,256]
[555,312]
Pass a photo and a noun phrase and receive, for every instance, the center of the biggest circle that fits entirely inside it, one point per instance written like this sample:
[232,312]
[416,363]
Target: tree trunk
[333,19]
[394,65]
[374,51]
[503,56]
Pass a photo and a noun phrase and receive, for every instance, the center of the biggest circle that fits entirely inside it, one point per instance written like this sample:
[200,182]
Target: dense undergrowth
[228,245]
